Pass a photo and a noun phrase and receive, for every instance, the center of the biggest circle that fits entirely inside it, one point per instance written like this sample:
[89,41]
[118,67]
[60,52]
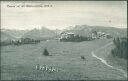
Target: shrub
[46,53]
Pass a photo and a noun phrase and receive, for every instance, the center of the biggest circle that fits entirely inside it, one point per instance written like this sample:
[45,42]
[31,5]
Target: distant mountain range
[15,33]
[45,33]
[86,30]
[5,37]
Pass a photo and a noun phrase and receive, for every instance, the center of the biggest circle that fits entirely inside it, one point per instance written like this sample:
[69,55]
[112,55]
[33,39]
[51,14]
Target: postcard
[64,40]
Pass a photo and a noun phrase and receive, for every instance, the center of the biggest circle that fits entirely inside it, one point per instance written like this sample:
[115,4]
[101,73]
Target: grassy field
[19,62]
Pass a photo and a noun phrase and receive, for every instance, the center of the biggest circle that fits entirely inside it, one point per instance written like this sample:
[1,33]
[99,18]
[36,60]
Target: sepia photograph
[63,40]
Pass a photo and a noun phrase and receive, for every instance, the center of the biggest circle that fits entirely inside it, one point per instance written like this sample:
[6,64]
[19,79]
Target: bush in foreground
[46,53]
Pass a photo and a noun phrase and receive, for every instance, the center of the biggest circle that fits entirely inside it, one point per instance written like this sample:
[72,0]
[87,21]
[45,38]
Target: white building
[67,35]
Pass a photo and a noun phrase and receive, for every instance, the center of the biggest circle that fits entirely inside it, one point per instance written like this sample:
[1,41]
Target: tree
[120,49]
[45,52]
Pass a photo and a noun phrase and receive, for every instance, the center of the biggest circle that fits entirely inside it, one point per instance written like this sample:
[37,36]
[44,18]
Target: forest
[120,49]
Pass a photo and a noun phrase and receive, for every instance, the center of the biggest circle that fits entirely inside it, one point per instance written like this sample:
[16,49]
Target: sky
[62,14]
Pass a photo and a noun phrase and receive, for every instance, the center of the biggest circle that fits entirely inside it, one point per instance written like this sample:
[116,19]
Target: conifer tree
[45,52]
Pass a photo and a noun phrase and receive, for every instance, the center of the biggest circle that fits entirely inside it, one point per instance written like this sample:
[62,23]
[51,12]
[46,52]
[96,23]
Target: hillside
[83,30]
[15,33]
[41,34]
[86,30]
[5,37]
[19,62]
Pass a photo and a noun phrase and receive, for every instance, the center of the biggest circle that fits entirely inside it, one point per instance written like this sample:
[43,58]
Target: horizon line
[62,28]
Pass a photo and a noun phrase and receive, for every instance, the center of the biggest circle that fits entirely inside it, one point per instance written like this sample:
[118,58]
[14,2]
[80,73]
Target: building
[100,35]
[67,35]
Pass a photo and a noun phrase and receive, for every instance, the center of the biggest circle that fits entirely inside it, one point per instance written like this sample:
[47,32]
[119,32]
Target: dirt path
[105,62]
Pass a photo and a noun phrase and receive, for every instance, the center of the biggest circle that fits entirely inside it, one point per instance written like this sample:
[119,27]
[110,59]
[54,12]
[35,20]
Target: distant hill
[86,30]
[6,37]
[45,33]
[40,34]
[15,33]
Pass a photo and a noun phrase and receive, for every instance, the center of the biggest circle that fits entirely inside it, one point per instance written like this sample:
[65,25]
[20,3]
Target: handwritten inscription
[29,5]
[47,68]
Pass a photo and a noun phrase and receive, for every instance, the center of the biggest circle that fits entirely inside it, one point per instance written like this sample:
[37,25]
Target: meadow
[19,62]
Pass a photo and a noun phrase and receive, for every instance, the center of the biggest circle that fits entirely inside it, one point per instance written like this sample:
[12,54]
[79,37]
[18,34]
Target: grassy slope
[114,61]
[18,62]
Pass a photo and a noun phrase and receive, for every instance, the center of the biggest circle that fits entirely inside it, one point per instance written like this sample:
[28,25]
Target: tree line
[120,49]
[20,42]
